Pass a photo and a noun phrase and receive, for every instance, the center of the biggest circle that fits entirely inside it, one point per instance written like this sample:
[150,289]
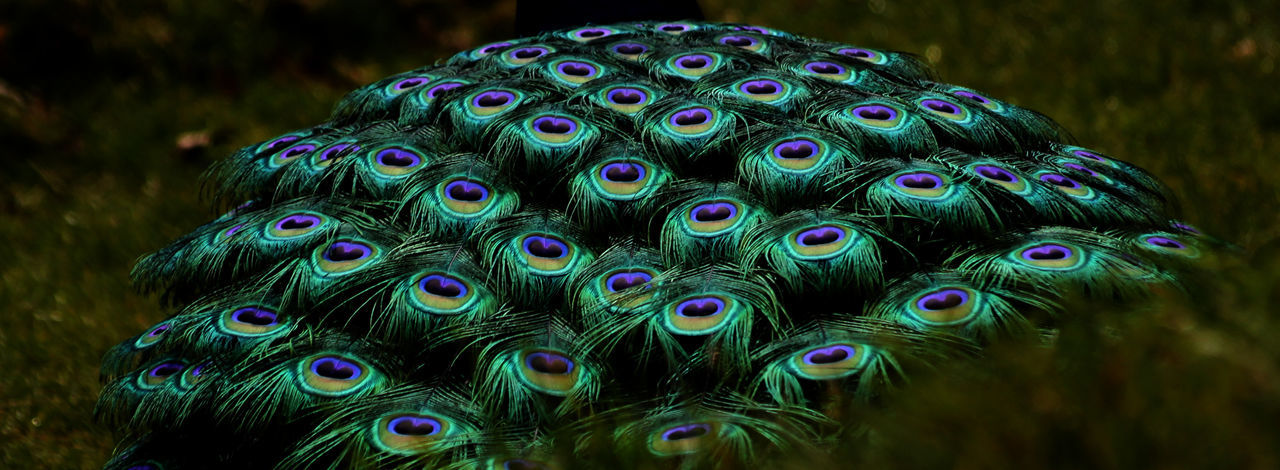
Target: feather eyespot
[1068,186]
[630,50]
[700,314]
[555,130]
[296,225]
[344,257]
[250,322]
[945,109]
[693,121]
[546,254]
[694,65]
[524,55]
[1002,177]
[1167,244]
[278,143]
[711,218]
[866,55]
[1052,256]
[1086,170]
[623,180]
[764,90]
[159,373]
[685,438]
[488,103]
[742,41]
[626,99]
[396,162]
[821,242]
[830,361]
[878,116]
[627,287]
[153,335]
[333,153]
[407,84]
[1088,155]
[441,293]
[576,72]
[519,464]
[921,184]
[490,49]
[548,371]
[465,197]
[797,154]
[290,154]
[334,375]
[439,89]
[946,305]
[591,33]
[676,28]
[410,433]
[828,71]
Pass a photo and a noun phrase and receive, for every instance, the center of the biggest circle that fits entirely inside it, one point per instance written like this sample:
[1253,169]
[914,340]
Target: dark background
[111,109]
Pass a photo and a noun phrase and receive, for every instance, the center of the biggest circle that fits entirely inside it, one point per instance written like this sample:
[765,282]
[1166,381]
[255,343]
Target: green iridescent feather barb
[684,239]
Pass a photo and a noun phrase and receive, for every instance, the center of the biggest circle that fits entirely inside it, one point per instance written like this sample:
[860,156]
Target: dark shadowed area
[110,110]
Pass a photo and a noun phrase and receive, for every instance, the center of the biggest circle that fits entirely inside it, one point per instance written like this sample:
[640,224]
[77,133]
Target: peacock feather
[682,239]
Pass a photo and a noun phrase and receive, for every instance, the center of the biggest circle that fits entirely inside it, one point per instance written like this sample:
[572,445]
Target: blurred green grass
[110,110]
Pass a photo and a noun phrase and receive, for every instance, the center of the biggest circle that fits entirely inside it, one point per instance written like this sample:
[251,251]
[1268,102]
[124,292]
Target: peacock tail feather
[686,240]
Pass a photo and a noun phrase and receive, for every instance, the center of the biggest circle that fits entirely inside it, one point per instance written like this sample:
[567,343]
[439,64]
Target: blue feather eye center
[1060,181]
[443,286]
[673,28]
[823,235]
[255,316]
[280,142]
[347,251]
[414,425]
[435,91]
[824,68]
[526,53]
[686,431]
[919,180]
[577,69]
[1047,252]
[694,61]
[337,151]
[544,246]
[297,151]
[760,87]
[1089,155]
[548,362]
[626,96]
[829,354]
[876,112]
[857,53]
[713,211]
[739,41]
[942,300]
[554,125]
[622,172]
[1082,169]
[493,99]
[1164,242]
[700,307]
[592,33]
[411,82]
[336,368]
[691,117]
[995,173]
[971,96]
[491,48]
[630,48]
[620,281]
[298,222]
[158,330]
[941,106]
[398,157]
[795,149]
[166,369]
[467,191]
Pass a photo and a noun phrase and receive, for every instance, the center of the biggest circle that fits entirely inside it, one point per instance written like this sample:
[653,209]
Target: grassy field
[111,109]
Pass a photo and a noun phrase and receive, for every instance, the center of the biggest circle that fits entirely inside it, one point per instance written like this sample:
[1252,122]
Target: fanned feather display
[692,241]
